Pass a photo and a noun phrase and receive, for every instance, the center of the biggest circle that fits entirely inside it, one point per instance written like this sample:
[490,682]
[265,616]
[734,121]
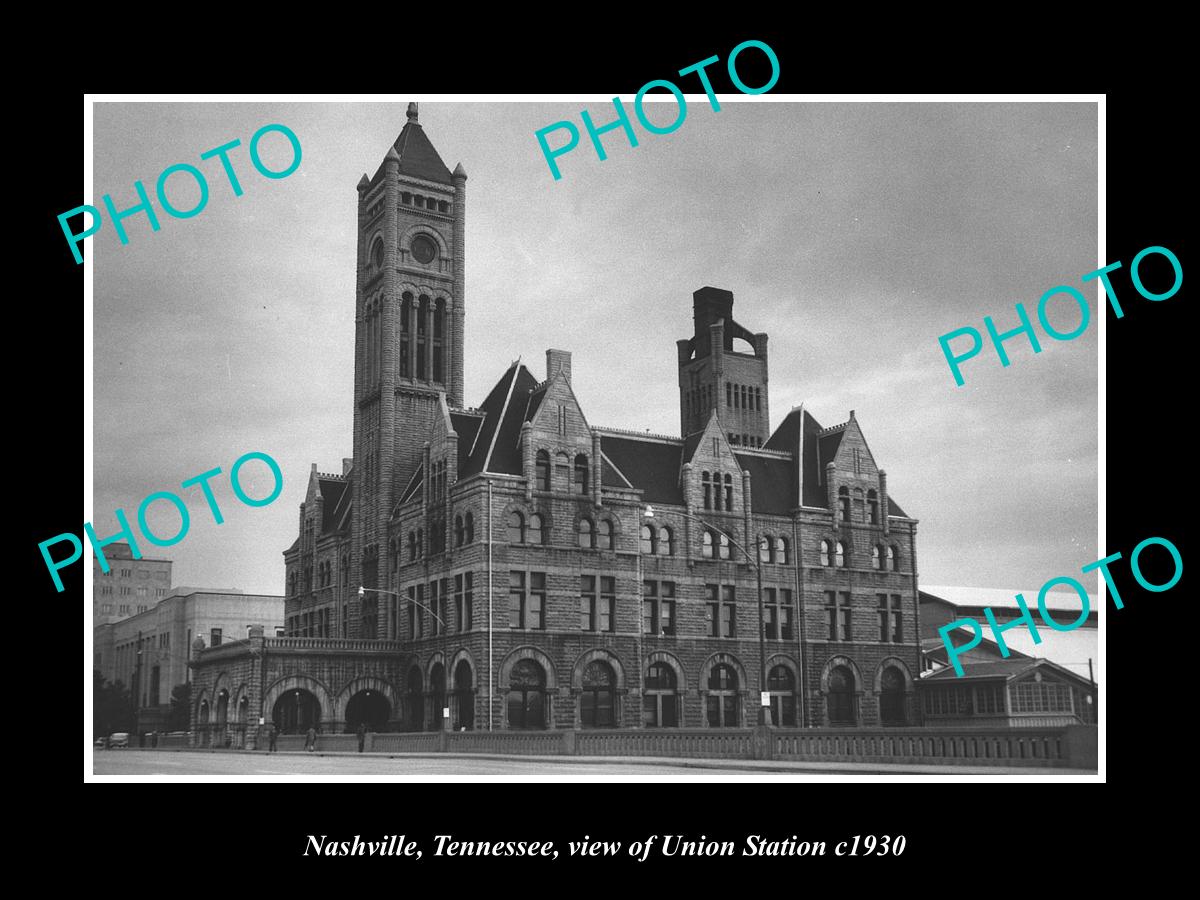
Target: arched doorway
[892,699]
[296,711]
[527,695]
[370,708]
[659,700]
[841,697]
[416,700]
[437,696]
[598,701]
[464,695]
[781,684]
[723,697]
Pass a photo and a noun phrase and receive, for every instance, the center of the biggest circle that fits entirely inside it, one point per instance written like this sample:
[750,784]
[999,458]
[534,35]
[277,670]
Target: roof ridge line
[514,368]
[632,433]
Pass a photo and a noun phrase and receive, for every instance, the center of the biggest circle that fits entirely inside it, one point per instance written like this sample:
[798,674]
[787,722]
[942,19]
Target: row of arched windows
[717,490]
[745,440]
[699,400]
[657,541]
[884,557]
[568,475]
[420,201]
[522,530]
[464,529]
[743,396]
[416,339]
[773,550]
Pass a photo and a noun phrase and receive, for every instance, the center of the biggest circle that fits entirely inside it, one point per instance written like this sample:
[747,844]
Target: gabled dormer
[560,451]
[716,475]
[854,483]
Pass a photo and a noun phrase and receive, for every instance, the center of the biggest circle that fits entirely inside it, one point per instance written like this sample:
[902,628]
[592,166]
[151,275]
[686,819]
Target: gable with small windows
[559,429]
[716,472]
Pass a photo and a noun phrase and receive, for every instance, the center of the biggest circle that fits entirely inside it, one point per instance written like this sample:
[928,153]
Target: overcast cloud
[853,234]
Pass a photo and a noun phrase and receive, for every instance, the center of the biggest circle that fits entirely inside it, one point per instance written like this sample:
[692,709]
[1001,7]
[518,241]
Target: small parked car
[118,739]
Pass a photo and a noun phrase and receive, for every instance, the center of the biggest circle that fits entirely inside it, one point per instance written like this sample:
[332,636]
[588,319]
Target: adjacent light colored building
[165,633]
[130,586]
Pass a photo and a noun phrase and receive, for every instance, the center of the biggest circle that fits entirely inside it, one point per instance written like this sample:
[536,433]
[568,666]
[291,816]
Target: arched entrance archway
[527,695]
[464,696]
[781,684]
[722,703]
[370,708]
[597,701]
[243,716]
[842,690]
[892,700]
[222,717]
[296,711]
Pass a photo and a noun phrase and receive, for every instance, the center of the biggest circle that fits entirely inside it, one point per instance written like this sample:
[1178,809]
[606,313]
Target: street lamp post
[135,694]
[764,709]
[362,592]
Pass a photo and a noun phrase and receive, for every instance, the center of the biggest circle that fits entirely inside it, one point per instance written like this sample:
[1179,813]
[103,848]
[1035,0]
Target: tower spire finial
[412,113]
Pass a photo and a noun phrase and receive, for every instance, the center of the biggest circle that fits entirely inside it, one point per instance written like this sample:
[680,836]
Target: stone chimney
[558,359]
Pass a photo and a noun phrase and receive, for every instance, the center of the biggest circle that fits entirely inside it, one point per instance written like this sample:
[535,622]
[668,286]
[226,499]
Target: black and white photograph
[765,448]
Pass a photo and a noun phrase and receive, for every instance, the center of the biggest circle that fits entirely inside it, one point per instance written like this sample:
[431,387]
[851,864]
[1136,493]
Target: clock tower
[409,322]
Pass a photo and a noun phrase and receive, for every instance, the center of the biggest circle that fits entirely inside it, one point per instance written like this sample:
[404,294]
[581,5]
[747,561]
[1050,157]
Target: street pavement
[329,766]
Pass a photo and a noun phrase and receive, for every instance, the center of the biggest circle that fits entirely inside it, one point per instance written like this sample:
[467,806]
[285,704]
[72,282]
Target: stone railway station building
[521,568]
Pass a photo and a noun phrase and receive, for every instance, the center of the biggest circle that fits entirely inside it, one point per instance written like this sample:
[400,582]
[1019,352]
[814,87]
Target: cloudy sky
[854,234]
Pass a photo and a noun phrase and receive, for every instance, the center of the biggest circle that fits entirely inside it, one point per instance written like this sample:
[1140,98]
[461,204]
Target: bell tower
[409,323]
[715,375]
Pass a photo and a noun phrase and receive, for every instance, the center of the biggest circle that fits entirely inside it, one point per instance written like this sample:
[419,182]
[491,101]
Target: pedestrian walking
[362,736]
[274,738]
[310,739]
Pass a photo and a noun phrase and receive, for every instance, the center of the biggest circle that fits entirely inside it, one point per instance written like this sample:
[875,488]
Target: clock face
[423,249]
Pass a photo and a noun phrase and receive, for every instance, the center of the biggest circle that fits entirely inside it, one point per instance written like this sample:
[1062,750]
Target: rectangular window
[420,607]
[537,599]
[890,627]
[215,637]
[897,627]
[650,607]
[770,614]
[786,615]
[587,602]
[837,615]
[714,610]
[728,611]
[658,607]
[516,599]
[666,608]
[608,603]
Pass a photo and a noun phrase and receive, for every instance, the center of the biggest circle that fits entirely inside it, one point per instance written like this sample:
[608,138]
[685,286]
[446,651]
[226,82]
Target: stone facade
[130,586]
[514,566]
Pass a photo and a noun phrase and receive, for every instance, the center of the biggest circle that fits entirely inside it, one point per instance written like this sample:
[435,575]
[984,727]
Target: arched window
[439,328]
[542,471]
[875,557]
[535,534]
[377,255]
[597,703]
[470,527]
[516,528]
[527,695]
[708,544]
[723,545]
[659,699]
[422,333]
[464,697]
[729,492]
[562,472]
[842,705]
[892,699]
[587,534]
[841,554]
[781,684]
[781,551]
[406,312]
[604,534]
[893,558]
[704,479]
[860,514]
[826,553]
[844,500]
[764,549]
[460,531]
[581,474]
[722,697]
[873,506]
[666,542]
[647,539]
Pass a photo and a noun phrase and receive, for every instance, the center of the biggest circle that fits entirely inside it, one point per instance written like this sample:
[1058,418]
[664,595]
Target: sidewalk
[794,767]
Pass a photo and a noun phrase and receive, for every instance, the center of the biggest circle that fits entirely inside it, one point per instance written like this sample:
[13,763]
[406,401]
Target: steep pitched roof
[497,440]
[417,156]
[466,426]
[772,483]
[332,489]
[650,465]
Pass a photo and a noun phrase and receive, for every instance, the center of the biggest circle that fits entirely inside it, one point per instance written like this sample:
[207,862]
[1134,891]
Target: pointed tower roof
[417,156]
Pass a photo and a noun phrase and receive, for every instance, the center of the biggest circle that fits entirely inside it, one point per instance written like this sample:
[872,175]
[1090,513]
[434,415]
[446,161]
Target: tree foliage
[111,709]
